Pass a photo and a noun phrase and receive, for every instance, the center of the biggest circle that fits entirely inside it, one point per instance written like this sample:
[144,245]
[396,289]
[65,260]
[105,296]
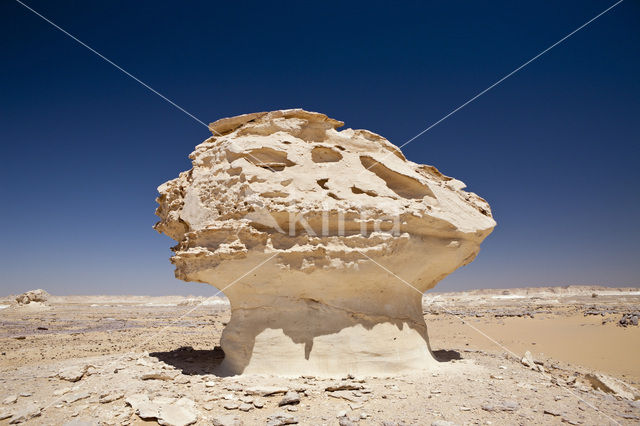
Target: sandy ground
[126,349]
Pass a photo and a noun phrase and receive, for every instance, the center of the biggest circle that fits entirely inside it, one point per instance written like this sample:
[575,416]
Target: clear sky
[554,148]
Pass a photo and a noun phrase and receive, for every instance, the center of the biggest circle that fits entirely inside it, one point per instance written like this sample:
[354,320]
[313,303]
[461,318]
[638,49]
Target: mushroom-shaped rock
[303,227]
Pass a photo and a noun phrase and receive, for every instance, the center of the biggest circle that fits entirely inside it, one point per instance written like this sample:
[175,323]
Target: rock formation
[303,227]
[32,296]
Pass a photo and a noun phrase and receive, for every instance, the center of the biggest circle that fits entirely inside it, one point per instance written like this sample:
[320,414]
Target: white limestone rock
[32,296]
[334,215]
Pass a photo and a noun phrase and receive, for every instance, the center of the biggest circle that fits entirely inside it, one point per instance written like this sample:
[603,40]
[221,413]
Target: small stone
[344,395]
[26,413]
[265,390]
[343,386]
[510,406]
[245,407]
[176,415]
[147,411]
[488,407]
[70,399]
[209,384]
[345,421]
[552,411]
[61,391]
[528,360]
[181,379]
[233,387]
[291,397]
[26,394]
[110,397]
[503,406]
[231,405]
[442,423]
[281,419]
[227,420]
[157,376]
[258,403]
[11,399]
[72,374]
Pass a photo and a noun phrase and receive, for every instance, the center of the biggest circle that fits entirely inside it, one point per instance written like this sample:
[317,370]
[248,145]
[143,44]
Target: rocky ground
[133,360]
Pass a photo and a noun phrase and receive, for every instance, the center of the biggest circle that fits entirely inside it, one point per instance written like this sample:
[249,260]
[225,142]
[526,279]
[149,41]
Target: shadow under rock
[444,355]
[192,362]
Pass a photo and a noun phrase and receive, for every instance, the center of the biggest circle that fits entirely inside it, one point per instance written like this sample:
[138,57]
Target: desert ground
[146,360]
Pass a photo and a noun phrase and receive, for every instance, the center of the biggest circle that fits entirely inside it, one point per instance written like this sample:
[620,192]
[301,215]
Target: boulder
[38,296]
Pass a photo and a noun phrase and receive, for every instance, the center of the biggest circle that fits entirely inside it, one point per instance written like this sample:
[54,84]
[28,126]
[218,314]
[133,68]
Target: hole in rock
[321,154]
[402,185]
[323,183]
[267,158]
[274,194]
[357,190]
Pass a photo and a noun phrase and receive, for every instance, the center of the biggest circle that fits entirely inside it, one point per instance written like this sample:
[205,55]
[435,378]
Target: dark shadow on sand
[444,355]
[192,362]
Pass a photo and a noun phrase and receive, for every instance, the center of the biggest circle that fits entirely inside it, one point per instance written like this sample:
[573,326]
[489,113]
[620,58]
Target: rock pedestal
[323,241]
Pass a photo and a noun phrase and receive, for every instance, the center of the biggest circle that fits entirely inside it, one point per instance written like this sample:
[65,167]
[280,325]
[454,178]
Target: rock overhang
[327,206]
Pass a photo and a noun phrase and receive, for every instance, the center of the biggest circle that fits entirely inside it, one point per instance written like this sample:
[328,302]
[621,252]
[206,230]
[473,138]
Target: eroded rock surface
[304,227]
[32,296]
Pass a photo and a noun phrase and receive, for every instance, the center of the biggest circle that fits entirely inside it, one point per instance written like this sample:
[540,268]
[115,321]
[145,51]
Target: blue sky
[554,149]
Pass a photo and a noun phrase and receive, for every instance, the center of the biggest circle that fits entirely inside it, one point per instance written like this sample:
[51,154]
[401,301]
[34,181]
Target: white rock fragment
[613,385]
[74,373]
[25,413]
[71,398]
[265,390]
[280,419]
[176,415]
[108,397]
[291,397]
[11,399]
[159,376]
[226,421]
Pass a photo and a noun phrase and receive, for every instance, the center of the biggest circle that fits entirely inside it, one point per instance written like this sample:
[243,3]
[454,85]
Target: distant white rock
[38,296]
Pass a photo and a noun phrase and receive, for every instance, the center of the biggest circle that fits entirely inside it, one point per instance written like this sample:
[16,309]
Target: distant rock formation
[304,227]
[37,296]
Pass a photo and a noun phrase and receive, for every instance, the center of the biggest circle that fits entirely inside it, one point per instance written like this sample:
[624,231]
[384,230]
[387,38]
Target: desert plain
[549,355]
